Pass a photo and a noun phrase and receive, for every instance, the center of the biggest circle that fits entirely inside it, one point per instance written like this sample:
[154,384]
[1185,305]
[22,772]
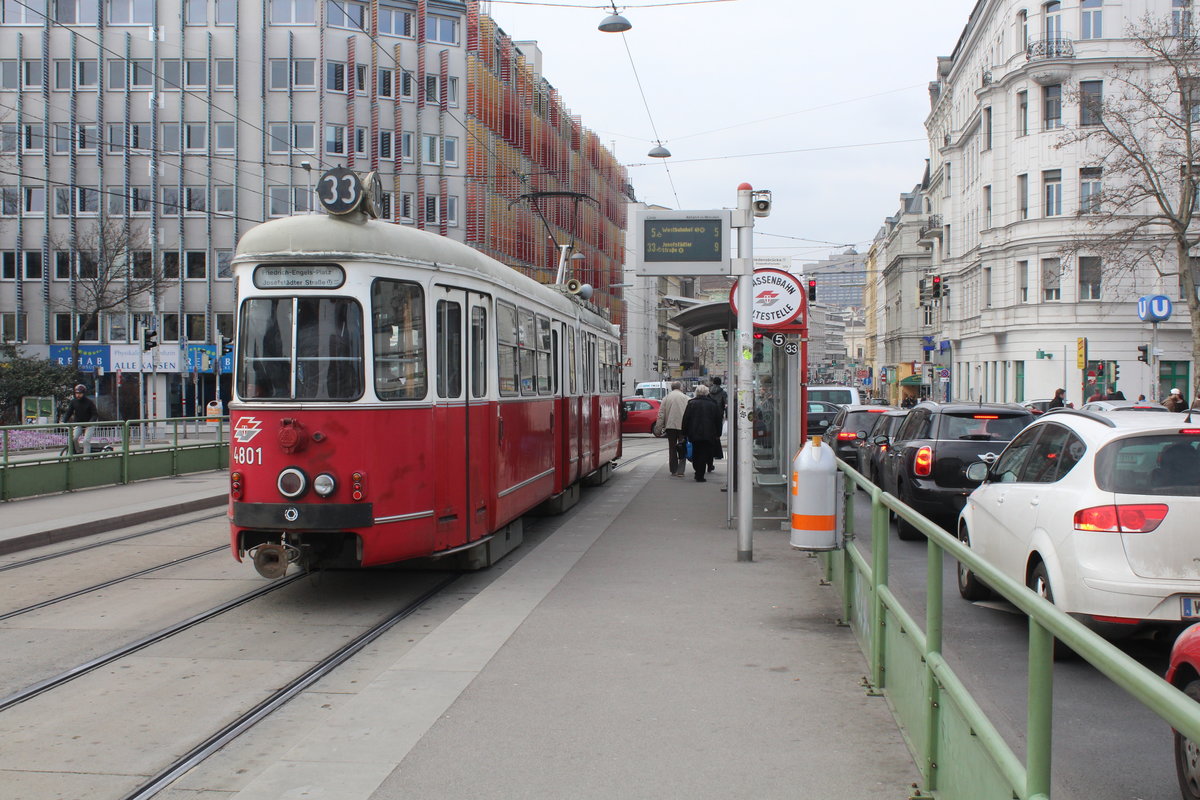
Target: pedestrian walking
[670,420]
[717,392]
[1059,400]
[1175,402]
[702,426]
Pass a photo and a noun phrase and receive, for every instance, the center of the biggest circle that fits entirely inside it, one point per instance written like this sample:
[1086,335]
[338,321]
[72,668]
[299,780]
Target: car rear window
[840,396]
[1163,464]
[982,426]
[860,420]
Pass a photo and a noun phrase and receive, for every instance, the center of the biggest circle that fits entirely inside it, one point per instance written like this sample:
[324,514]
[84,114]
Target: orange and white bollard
[814,498]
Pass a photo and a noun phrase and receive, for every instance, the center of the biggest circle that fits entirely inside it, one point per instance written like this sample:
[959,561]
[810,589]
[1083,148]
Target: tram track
[263,709]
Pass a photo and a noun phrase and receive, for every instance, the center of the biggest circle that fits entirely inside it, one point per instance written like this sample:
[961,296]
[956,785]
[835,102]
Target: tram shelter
[778,414]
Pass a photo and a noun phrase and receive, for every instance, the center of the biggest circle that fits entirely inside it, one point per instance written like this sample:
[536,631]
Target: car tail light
[844,435]
[923,463]
[1133,518]
[358,486]
[1116,620]
[235,485]
[985,416]
[1190,431]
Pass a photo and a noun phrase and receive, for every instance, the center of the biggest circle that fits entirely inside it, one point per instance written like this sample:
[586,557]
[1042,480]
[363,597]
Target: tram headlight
[324,484]
[292,482]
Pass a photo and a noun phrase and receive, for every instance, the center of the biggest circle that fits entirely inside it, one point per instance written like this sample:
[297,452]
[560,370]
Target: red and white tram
[401,395]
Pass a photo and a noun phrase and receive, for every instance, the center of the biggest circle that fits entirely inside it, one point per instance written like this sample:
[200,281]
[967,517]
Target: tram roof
[324,236]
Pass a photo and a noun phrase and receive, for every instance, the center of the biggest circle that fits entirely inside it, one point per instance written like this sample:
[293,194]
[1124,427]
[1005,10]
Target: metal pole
[1153,395]
[744,221]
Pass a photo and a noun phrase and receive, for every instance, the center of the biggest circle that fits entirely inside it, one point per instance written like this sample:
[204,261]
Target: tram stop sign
[780,301]
[1154,308]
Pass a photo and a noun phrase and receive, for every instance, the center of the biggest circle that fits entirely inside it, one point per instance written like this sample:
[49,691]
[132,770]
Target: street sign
[779,300]
[1154,308]
[1081,352]
[778,339]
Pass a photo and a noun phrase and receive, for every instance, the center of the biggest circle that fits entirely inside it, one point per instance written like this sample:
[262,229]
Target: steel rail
[281,696]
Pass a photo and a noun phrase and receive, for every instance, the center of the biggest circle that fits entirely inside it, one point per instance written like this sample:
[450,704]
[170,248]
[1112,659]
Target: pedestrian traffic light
[1144,352]
[937,286]
[148,339]
[226,345]
[812,290]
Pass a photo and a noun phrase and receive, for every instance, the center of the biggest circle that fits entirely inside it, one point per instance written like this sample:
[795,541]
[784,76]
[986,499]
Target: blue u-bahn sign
[1154,308]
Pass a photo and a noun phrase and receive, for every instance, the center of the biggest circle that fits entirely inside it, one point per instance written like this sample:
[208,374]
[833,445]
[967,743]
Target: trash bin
[214,411]
[815,495]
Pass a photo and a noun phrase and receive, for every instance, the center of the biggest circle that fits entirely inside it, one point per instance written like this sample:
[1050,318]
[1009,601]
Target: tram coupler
[271,559]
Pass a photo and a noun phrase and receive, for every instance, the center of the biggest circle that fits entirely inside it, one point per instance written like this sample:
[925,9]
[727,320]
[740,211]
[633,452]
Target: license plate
[1191,607]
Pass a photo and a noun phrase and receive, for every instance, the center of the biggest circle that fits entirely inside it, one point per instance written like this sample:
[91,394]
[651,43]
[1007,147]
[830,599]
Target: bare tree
[113,267]
[1144,137]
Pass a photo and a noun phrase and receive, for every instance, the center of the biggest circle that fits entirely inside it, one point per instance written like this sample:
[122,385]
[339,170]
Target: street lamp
[614,22]
[307,167]
[658,151]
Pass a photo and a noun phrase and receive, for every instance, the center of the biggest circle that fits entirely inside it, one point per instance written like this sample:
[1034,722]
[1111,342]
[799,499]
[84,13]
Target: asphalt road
[1107,746]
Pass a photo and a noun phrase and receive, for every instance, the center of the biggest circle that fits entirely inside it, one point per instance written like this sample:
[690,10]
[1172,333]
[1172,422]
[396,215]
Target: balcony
[1041,49]
[932,229]
[1047,59]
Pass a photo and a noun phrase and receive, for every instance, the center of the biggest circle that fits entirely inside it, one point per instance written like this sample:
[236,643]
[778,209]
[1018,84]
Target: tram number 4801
[247,455]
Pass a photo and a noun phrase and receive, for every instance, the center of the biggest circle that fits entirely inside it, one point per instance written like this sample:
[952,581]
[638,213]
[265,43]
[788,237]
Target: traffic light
[1144,352]
[148,339]
[758,348]
[937,286]
[1116,374]
[812,290]
[226,345]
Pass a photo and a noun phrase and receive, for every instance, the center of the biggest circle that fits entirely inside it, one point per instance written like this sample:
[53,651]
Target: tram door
[460,388]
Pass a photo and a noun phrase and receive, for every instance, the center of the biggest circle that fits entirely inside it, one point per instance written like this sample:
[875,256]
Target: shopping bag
[689,450]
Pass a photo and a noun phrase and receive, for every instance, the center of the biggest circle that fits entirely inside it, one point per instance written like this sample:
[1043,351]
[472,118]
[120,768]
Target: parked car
[839,395]
[820,415]
[872,449]
[1096,513]
[1123,405]
[1184,674]
[926,466]
[1038,407]
[851,424]
[639,414]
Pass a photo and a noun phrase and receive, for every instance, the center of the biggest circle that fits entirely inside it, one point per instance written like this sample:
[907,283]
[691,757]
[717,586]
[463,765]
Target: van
[840,395]
[654,390]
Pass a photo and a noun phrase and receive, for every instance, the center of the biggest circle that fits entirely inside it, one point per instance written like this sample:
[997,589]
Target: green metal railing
[34,459]
[960,753]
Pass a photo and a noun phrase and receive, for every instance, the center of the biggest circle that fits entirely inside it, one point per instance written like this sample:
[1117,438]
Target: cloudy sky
[823,103]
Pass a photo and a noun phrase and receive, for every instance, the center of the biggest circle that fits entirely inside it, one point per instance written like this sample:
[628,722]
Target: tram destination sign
[298,276]
[682,242]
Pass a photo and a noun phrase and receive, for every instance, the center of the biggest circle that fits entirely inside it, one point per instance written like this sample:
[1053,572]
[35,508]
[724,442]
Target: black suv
[850,425]
[927,462]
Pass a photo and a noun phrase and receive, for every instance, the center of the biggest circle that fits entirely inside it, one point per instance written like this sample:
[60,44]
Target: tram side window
[449,349]
[329,349]
[479,351]
[544,384]
[589,362]
[528,352]
[506,348]
[398,328]
[265,348]
[572,355]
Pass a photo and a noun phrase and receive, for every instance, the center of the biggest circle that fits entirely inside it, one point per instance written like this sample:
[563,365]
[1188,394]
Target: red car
[1184,674]
[638,414]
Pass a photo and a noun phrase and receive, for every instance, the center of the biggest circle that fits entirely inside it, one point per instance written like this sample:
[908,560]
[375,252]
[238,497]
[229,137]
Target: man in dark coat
[702,426]
[717,392]
[80,409]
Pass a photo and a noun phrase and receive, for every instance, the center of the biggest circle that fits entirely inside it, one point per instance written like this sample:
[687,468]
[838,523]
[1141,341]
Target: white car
[1097,512]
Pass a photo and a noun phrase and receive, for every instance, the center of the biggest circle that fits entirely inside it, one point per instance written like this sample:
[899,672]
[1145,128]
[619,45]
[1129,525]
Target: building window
[432,95]
[1053,18]
[298,74]
[224,136]
[33,265]
[170,201]
[85,73]
[34,201]
[407,84]
[360,79]
[195,12]
[13,327]
[169,142]
[406,146]
[987,128]
[194,327]
[346,14]
[195,73]
[1090,186]
[1091,21]
[431,208]
[335,140]
[451,211]
[279,201]
[1091,102]
[441,29]
[1052,106]
[450,151]
[1181,17]
[140,200]
[226,12]
[10,75]
[1023,196]
[170,271]
[1051,275]
[385,144]
[225,73]
[143,261]
[1023,277]
[406,206]
[225,272]
[335,76]
[195,199]
[293,12]
[1089,278]
[394,22]
[223,199]
[76,12]
[430,152]
[360,141]
[31,74]
[1052,183]
[987,206]
[17,13]
[8,266]
[386,82]
[130,12]
[196,262]
[195,137]
[1022,30]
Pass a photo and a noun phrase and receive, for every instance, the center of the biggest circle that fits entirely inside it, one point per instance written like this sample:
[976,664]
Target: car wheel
[1039,582]
[969,586]
[904,529]
[1187,754]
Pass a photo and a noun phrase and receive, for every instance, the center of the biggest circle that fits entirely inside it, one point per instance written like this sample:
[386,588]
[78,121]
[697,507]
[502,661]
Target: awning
[911,380]
[700,319]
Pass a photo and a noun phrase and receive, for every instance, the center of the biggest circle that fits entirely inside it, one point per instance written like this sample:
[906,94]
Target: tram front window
[306,348]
